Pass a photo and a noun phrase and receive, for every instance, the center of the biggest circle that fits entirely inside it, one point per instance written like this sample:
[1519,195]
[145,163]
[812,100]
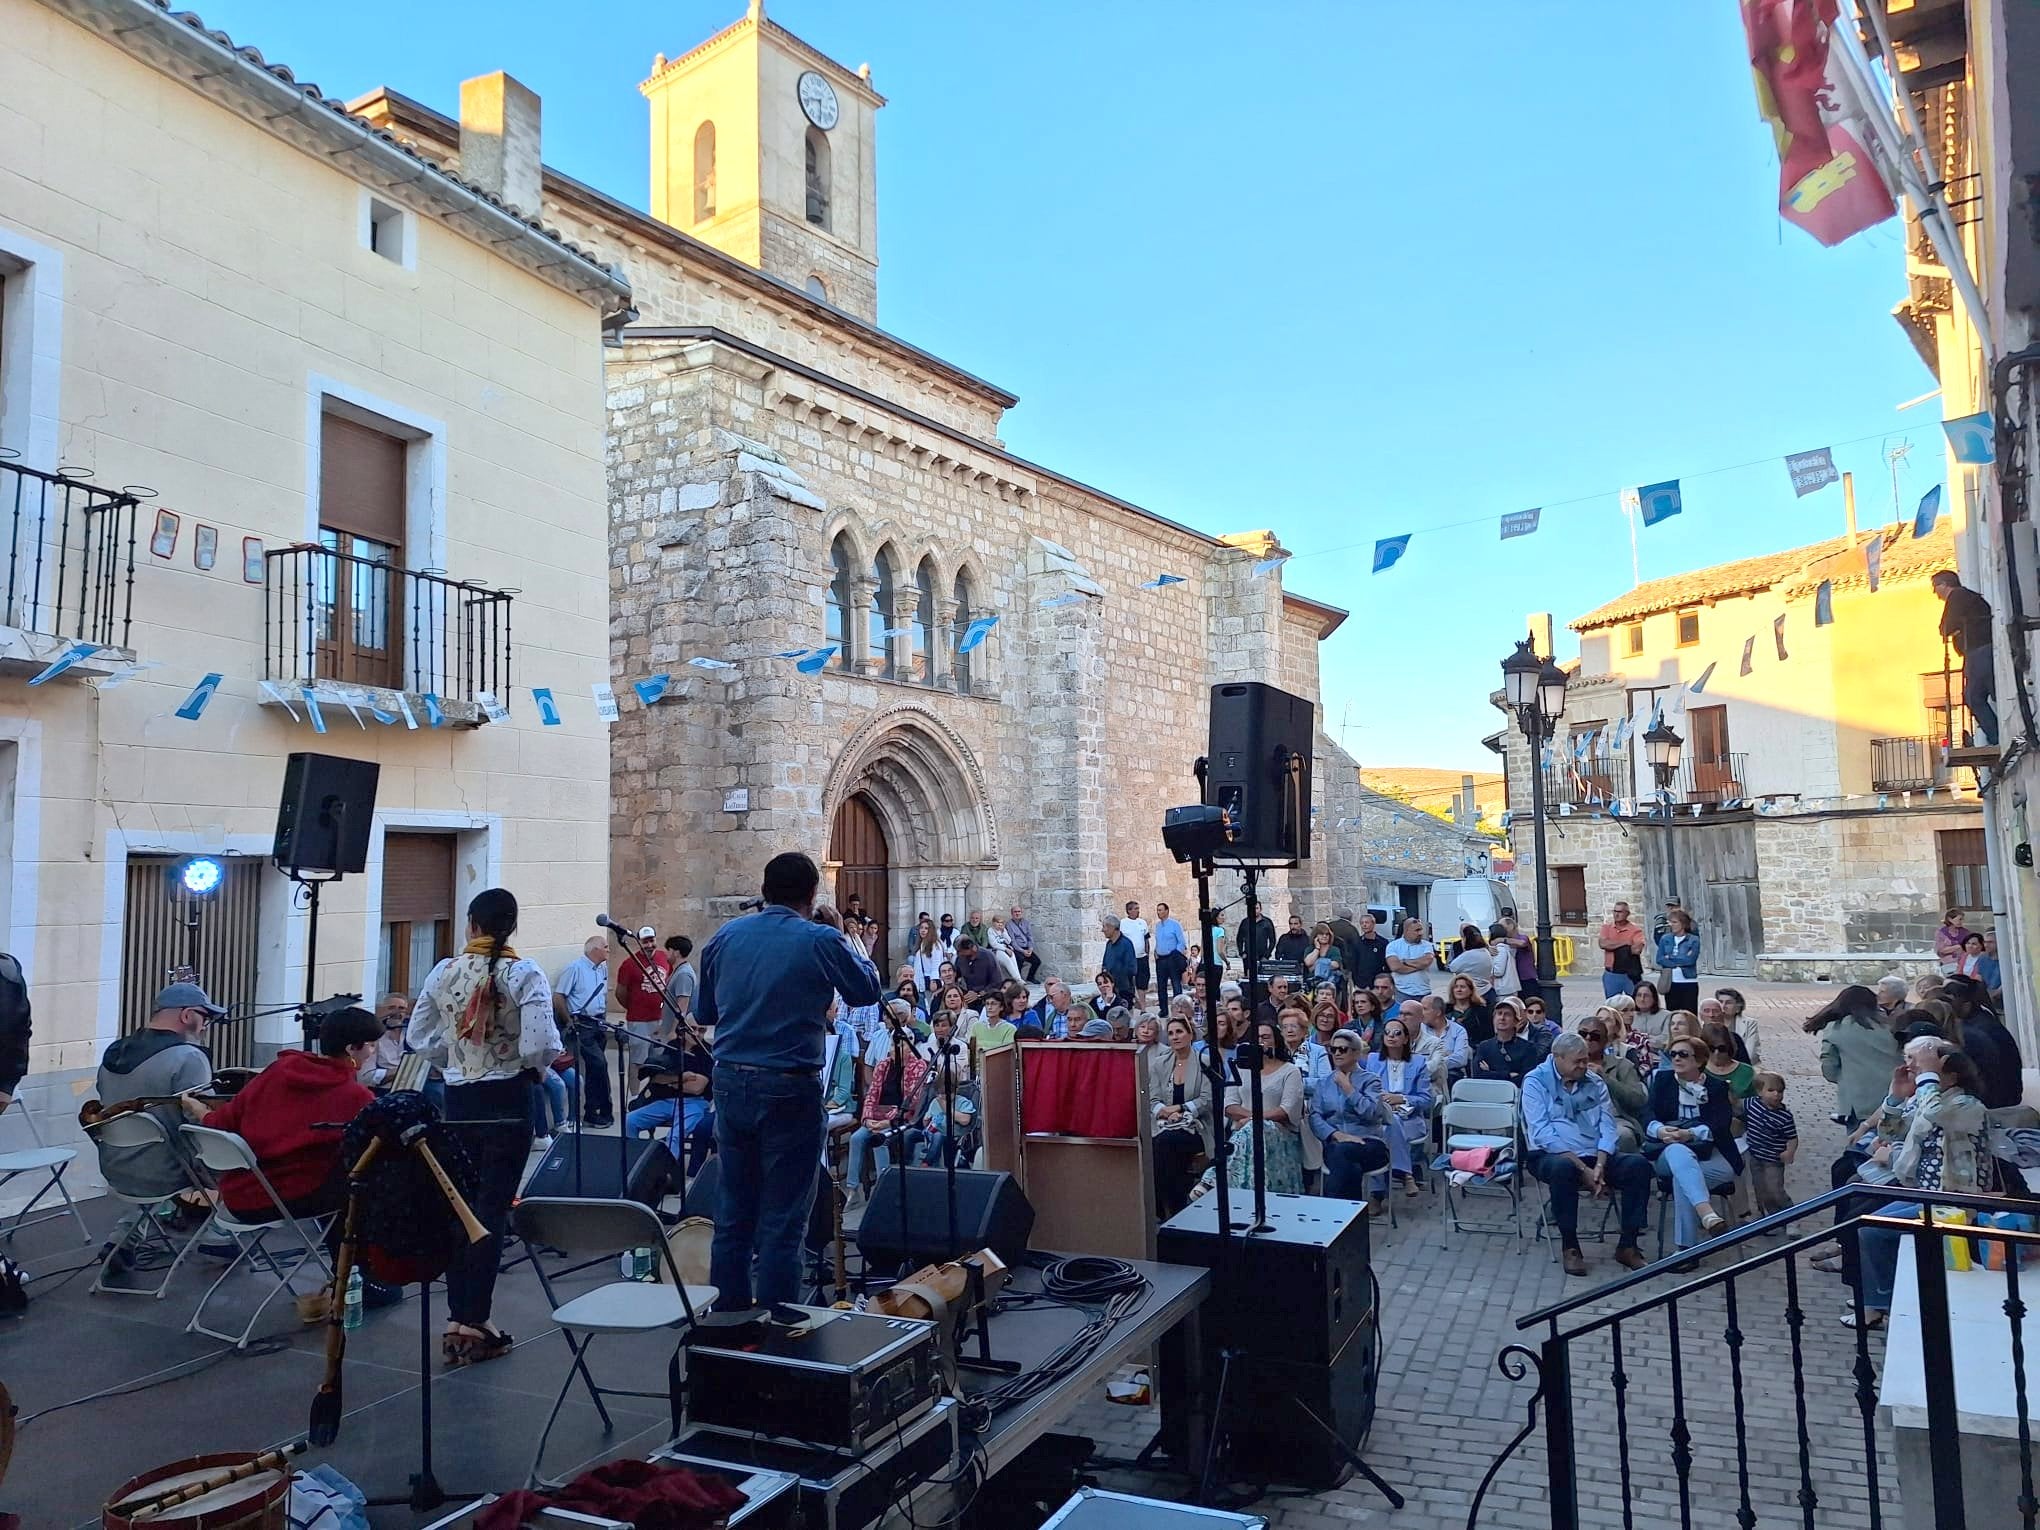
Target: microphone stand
[980,1303]
[685,1032]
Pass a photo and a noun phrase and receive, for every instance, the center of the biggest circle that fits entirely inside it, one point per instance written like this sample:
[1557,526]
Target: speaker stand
[1215,1437]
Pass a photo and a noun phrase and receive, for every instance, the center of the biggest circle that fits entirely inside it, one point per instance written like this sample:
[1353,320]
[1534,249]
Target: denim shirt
[766,984]
[1567,1118]
[1332,1109]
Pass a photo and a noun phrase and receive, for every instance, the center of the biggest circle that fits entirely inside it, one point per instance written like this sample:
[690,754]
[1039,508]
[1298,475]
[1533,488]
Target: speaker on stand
[322,824]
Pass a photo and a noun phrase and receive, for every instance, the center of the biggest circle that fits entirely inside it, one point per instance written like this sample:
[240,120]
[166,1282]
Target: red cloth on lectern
[1078,1090]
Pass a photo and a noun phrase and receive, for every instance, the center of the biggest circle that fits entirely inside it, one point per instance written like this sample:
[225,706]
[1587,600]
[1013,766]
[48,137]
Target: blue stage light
[201,876]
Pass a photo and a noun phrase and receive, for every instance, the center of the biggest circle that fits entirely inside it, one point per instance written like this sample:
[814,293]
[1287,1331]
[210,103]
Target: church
[946,672]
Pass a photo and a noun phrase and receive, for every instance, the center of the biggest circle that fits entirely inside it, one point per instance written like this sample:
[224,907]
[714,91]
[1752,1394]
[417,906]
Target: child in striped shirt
[1773,1138]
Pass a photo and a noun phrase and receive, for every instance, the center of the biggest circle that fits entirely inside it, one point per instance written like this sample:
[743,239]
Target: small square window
[1632,640]
[1689,628]
[387,232]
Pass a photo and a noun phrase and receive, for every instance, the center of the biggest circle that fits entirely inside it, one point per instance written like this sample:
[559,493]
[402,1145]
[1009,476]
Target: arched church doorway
[863,861]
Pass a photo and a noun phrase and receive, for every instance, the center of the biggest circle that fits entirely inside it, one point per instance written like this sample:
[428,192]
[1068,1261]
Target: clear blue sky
[1334,269]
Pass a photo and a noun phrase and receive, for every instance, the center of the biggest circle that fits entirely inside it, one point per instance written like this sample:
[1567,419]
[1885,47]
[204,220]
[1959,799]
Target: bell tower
[765,148]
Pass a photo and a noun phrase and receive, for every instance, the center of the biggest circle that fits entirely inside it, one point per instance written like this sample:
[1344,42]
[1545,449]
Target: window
[704,172]
[880,658]
[1572,893]
[817,178]
[817,288]
[1632,640]
[924,624]
[388,232]
[361,526]
[31,347]
[417,909]
[1947,721]
[959,661]
[224,950]
[837,621]
[1965,868]
[1689,628]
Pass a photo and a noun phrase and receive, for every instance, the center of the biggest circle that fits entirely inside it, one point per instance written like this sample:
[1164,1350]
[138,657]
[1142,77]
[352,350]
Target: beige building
[365,399]
[785,475]
[1814,828]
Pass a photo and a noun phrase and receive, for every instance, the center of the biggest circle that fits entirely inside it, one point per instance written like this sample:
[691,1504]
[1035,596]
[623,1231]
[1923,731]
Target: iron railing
[1906,764]
[1697,1387]
[70,555]
[335,616]
[1593,782]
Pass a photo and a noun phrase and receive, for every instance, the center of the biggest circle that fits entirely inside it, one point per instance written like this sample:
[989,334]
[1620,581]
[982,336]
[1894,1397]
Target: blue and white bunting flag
[979,629]
[201,693]
[785,653]
[605,701]
[651,688]
[1928,513]
[1873,561]
[1389,550]
[1659,501]
[1749,655]
[128,672]
[1161,580]
[1778,637]
[1068,598]
[1972,439]
[492,708]
[1700,685]
[1269,565]
[701,662]
[435,714]
[64,661]
[548,709]
[1812,470]
[1520,523]
[1623,725]
[1824,603]
[279,693]
[817,661]
[312,709]
[404,706]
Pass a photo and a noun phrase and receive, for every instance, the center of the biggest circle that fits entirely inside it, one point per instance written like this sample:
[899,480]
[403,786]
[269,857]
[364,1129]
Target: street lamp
[1535,691]
[1661,747]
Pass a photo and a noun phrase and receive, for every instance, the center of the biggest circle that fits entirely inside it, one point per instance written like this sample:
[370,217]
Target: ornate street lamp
[1535,691]
[1661,747]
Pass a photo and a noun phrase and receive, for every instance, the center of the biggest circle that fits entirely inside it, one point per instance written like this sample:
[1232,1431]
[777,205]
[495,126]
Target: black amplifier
[840,1381]
[837,1492]
[1315,1252]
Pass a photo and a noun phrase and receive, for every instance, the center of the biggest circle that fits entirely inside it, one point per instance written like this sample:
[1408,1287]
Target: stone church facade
[784,475]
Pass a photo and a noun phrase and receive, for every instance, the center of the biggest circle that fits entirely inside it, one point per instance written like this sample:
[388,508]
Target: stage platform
[72,1343]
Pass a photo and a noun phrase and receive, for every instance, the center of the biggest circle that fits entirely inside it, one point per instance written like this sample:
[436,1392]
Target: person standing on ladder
[1965,625]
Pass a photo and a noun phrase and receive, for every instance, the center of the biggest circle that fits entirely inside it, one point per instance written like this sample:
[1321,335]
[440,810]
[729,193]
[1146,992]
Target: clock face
[818,100]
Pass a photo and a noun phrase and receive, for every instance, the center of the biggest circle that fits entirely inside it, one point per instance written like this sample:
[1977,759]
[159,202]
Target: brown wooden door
[864,868]
[1713,773]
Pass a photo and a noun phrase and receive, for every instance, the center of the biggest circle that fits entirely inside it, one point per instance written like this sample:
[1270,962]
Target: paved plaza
[1449,1304]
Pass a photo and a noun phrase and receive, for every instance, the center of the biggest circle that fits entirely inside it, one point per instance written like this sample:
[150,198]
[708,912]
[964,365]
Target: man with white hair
[1891,994]
[1569,1132]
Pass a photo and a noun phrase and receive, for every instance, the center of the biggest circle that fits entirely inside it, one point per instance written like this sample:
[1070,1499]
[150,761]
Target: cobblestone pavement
[1450,1300]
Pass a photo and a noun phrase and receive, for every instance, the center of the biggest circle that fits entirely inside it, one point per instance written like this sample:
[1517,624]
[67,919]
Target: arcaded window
[880,646]
[837,622]
[966,613]
[923,657]
[704,172]
[817,177]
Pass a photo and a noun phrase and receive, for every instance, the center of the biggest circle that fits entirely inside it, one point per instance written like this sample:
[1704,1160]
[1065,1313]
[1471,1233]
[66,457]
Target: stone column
[941,659]
[857,645]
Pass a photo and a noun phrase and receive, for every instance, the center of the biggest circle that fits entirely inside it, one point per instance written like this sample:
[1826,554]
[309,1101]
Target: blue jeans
[868,1147]
[548,1103]
[1692,1178]
[1877,1253]
[1613,983]
[768,1129]
[683,1121]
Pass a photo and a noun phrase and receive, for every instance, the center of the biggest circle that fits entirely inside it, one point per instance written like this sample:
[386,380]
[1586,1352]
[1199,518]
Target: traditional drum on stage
[257,1502]
[689,1243]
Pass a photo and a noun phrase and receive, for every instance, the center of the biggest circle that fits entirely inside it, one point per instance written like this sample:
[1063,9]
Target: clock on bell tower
[765,148]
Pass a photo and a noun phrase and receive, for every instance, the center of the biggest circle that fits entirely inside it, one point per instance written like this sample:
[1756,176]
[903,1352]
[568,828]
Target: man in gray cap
[162,1059]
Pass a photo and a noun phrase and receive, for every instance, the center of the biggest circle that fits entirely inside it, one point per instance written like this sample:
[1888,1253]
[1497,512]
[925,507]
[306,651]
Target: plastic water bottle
[352,1317]
[626,1264]
[641,1263]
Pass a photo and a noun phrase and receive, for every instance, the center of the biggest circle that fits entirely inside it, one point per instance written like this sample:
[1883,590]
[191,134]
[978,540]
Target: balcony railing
[1907,764]
[1711,779]
[1589,783]
[334,616]
[70,556]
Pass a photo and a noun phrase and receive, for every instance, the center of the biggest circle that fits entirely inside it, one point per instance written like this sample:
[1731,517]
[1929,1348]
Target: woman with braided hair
[485,1016]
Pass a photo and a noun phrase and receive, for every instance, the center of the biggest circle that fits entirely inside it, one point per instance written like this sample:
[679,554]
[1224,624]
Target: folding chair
[594,1229]
[1482,1114]
[224,1153]
[143,1235]
[47,1161]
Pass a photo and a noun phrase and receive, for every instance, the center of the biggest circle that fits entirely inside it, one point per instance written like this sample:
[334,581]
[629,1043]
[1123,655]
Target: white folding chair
[1482,1114]
[38,1158]
[593,1229]
[143,1237]
[226,1153]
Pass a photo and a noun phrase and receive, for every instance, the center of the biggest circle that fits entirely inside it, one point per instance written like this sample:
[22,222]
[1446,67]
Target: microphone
[604,922]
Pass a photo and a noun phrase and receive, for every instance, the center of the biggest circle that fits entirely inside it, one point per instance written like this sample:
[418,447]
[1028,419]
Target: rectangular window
[1571,888]
[1941,695]
[165,937]
[1689,628]
[417,908]
[362,503]
[1632,640]
[388,232]
[1965,868]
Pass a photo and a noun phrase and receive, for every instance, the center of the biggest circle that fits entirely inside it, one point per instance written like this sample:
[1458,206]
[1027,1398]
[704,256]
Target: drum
[689,1245]
[260,1502]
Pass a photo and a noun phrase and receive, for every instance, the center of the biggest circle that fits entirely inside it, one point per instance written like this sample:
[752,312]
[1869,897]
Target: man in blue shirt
[1022,935]
[768,984]
[1569,1136]
[1172,955]
[1119,955]
[580,1004]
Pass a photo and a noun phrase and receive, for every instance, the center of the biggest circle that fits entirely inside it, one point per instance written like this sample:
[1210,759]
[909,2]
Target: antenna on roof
[1896,456]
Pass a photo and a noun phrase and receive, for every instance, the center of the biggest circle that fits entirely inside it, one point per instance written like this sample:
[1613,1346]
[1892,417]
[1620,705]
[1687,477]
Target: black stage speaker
[323,820]
[704,1199]
[991,1212]
[651,1170]
[1256,732]
[1315,1347]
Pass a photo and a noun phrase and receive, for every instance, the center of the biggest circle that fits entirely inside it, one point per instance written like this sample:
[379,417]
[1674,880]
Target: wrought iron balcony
[70,556]
[1711,779]
[353,621]
[1593,782]
[1907,764]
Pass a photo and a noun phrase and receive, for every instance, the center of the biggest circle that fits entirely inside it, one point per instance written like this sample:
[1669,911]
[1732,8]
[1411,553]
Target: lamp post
[1535,690]
[1661,747]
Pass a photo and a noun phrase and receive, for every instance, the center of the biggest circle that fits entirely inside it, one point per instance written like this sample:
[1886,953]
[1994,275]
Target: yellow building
[365,399]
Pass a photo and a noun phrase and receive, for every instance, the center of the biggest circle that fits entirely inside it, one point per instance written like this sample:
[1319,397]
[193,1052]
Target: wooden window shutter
[361,481]
[417,878]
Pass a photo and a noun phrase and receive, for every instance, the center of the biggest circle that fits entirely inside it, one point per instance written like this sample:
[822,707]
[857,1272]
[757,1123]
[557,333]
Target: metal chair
[1482,1114]
[594,1229]
[143,1234]
[42,1159]
[226,1153]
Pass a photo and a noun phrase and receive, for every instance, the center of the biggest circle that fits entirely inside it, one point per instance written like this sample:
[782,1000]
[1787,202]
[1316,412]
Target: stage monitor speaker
[328,805]
[1257,734]
[651,1170]
[991,1212]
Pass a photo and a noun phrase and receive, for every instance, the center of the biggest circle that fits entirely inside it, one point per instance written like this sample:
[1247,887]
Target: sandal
[1872,1319]
[1829,1264]
[473,1346]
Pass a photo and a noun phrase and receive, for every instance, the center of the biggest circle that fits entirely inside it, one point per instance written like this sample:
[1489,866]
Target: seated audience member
[950,1109]
[1282,1123]
[380,1071]
[1542,1028]
[1505,1055]
[1684,1026]
[1365,1018]
[839,1078]
[1147,1034]
[1735,1014]
[1309,1054]
[975,968]
[1406,1093]
[1650,1017]
[1106,997]
[1097,1030]
[1323,961]
[1570,1134]
[1441,1043]
[1351,1123]
[892,1103]
[1385,997]
[1179,1095]
[679,1102]
[1626,1091]
[1740,1077]
[1056,1011]
[1988,1043]
[1463,1004]
[1477,962]
[163,1059]
[1692,1121]
[908,992]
